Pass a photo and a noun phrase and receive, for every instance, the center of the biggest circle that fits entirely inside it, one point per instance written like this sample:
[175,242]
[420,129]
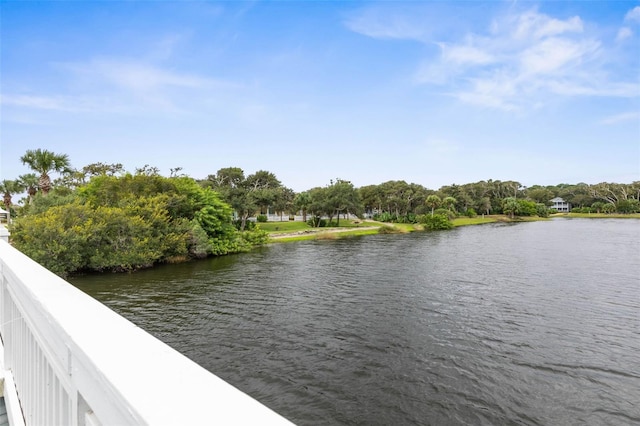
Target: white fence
[76,362]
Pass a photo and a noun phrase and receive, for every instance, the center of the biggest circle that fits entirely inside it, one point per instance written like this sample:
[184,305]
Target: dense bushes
[129,222]
[396,218]
[436,222]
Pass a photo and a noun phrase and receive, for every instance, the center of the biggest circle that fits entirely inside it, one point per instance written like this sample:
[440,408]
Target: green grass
[332,233]
[464,221]
[285,226]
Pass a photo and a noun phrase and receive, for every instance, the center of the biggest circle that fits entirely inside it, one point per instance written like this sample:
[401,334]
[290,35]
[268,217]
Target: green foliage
[129,222]
[520,207]
[198,244]
[542,210]
[470,213]
[317,222]
[581,210]
[628,206]
[394,218]
[41,203]
[445,212]
[261,218]
[384,217]
[526,208]
[247,226]
[388,229]
[436,222]
[433,202]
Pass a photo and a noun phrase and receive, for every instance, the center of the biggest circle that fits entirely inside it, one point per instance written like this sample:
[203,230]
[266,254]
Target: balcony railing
[72,361]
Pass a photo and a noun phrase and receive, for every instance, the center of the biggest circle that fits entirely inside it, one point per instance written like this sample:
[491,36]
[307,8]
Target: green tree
[319,205]
[263,188]
[484,205]
[449,203]
[302,201]
[342,197]
[45,162]
[628,206]
[597,206]
[30,183]
[8,189]
[247,195]
[436,222]
[283,202]
[510,206]
[433,201]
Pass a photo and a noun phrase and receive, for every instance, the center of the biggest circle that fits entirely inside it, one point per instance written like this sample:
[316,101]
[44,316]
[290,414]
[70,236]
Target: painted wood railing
[73,361]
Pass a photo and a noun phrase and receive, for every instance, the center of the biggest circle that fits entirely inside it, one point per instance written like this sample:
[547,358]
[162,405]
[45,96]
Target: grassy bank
[299,231]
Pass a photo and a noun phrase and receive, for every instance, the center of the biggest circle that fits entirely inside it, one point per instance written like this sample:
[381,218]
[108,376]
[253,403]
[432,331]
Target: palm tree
[43,162]
[8,188]
[30,184]
[433,201]
[449,202]
[510,206]
[302,201]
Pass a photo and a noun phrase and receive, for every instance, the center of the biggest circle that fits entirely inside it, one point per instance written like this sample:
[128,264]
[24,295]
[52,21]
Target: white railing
[76,362]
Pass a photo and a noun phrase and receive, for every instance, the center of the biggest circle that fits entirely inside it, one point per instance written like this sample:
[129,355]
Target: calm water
[535,323]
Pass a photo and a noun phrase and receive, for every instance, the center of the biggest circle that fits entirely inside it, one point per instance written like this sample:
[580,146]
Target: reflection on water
[534,323]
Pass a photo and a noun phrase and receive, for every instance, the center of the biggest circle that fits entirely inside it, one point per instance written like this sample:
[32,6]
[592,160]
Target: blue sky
[428,92]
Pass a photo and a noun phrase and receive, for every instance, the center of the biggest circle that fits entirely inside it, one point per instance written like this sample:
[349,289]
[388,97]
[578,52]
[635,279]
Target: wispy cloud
[387,23]
[624,33]
[516,61]
[633,15]
[38,102]
[137,76]
[621,118]
[124,86]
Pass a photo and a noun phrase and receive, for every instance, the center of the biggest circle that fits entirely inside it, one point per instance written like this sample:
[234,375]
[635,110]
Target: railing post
[4,233]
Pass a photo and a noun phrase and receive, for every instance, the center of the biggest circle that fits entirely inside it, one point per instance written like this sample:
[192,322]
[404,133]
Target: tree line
[101,217]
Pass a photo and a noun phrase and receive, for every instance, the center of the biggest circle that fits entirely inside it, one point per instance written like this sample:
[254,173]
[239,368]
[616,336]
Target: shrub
[542,210]
[261,218]
[388,229]
[444,212]
[384,217]
[470,213]
[316,222]
[437,222]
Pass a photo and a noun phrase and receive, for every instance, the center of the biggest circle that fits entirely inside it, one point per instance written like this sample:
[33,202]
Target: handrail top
[157,384]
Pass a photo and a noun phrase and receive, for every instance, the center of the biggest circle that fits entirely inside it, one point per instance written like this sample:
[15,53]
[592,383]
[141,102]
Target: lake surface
[534,323]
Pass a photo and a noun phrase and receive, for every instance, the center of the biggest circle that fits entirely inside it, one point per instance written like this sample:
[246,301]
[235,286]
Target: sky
[429,92]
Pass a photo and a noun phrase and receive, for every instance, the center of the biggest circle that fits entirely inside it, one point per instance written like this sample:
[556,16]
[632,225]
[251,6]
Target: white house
[561,205]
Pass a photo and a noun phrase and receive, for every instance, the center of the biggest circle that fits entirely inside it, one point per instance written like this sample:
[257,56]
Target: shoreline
[370,227]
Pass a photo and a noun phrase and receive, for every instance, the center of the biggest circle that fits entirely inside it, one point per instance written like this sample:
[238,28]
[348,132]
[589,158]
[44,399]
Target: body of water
[534,323]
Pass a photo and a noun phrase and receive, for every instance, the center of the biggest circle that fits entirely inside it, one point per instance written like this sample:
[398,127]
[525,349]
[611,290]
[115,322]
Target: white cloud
[624,33]
[533,25]
[622,118]
[385,24]
[553,54]
[517,61]
[633,15]
[36,102]
[137,76]
[465,55]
